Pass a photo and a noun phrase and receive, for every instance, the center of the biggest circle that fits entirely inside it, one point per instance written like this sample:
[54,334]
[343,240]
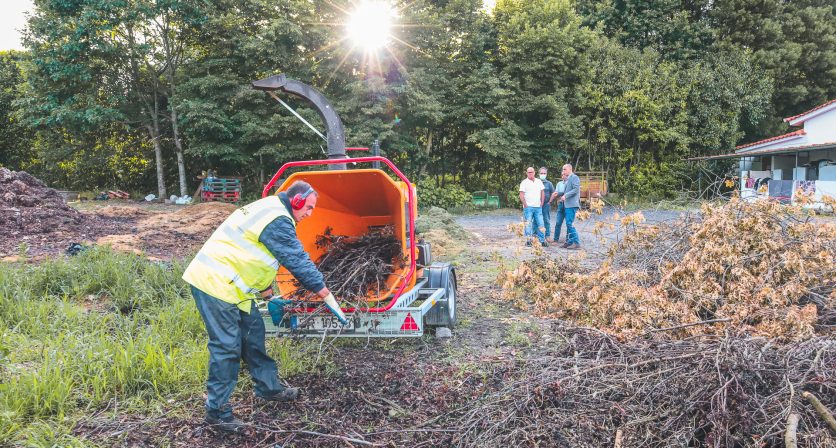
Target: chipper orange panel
[353,202]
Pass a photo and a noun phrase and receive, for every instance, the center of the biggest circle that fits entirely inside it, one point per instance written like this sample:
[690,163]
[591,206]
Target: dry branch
[790,435]
[354,268]
[821,410]
[704,391]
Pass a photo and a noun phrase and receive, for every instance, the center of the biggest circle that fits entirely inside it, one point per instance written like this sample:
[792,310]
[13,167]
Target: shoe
[528,243]
[574,246]
[544,244]
[228,424]
[287,394]
[565,245]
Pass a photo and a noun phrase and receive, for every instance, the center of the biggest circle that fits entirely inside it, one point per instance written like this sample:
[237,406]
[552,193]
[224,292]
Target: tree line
[145,94]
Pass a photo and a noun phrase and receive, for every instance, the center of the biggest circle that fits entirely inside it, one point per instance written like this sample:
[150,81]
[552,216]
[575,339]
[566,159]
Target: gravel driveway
[491,234]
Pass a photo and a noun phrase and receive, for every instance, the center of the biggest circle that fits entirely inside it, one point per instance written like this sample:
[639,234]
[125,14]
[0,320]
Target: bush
[451,195]
[513,198]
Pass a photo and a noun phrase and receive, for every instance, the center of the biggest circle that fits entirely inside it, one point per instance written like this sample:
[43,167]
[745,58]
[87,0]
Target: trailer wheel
[451,297]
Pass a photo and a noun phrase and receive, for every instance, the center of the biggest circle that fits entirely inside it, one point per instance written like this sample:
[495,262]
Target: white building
[805,158]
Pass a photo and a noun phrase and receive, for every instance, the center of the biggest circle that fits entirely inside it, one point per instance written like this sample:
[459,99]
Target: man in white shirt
[532,196]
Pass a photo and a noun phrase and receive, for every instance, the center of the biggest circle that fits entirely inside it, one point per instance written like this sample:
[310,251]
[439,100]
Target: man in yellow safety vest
[234,268]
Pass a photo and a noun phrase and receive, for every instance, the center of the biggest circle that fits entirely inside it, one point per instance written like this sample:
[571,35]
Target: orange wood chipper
[419,293]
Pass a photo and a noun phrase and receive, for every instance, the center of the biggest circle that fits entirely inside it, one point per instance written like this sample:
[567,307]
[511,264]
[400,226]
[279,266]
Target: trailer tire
[444,312]
[451,299]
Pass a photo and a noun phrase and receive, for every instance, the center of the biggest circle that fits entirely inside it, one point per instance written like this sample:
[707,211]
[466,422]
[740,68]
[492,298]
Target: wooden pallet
[220,190]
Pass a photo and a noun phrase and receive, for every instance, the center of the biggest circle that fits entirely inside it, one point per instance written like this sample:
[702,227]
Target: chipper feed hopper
[418,293]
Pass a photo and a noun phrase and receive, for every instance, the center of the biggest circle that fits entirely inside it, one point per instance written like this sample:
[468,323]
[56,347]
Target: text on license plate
[330,323]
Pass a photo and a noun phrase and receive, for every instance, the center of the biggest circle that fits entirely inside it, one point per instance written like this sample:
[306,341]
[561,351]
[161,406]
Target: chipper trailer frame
[418,294]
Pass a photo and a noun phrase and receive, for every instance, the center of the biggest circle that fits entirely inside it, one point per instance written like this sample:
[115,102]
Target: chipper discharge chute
[354,203]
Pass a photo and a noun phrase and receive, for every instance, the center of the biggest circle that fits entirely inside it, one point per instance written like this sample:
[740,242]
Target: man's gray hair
[542,168]
[299,187]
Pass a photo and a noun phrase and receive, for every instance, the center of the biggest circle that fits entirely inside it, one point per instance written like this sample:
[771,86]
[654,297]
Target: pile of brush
[356,268]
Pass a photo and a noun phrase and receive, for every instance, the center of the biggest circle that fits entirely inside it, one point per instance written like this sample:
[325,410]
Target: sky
[12,20]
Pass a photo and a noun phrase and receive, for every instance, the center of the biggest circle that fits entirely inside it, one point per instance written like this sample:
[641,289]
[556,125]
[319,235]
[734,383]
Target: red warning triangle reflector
[409,323]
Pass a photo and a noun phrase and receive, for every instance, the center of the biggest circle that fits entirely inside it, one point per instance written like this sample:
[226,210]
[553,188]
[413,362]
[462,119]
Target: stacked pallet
[220,190]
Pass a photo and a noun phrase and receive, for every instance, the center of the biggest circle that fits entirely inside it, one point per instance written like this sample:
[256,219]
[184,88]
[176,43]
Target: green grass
[520,334]
[78,332]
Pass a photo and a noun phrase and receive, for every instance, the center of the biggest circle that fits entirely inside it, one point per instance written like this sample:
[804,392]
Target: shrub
[451,195]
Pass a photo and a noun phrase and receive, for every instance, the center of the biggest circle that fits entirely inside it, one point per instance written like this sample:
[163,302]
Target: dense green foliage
[451,195]
[76,333]
[147,93]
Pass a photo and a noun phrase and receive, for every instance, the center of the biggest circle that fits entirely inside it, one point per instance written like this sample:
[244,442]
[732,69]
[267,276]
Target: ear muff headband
[298,201]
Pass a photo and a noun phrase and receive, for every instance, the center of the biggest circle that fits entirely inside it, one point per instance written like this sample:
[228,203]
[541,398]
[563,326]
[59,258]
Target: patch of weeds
[520,334]
[464,322]
[489,309]
[300,356]
[52,434]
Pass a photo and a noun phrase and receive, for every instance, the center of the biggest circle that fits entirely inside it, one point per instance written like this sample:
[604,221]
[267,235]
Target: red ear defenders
[298,201]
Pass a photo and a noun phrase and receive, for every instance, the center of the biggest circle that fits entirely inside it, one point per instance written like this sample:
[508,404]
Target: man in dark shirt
[547,208]
[236,267]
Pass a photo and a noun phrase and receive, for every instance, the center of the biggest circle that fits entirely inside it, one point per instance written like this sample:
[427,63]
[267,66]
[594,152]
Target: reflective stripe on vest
[236,235]
[233,265]
[227,272]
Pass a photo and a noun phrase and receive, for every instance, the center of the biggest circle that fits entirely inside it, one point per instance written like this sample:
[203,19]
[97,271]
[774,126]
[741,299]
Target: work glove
[334,307]
[276,309]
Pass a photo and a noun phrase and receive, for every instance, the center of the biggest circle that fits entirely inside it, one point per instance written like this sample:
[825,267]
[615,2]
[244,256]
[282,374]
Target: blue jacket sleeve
[280,239]
[573,188]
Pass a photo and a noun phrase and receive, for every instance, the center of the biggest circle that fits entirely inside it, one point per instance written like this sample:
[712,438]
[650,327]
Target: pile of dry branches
[720,391]
[357,268]
[760,268]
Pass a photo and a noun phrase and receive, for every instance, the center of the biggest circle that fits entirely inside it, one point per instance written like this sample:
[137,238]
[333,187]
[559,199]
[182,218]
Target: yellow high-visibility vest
[233,265]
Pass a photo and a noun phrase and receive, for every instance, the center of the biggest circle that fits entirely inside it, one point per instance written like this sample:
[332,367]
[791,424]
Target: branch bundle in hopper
[356,268]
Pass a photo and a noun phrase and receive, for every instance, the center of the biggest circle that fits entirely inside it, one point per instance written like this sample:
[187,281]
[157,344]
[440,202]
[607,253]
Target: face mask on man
[543,177]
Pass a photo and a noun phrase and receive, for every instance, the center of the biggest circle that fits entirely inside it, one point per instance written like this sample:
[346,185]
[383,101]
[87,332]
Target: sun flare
[370,24]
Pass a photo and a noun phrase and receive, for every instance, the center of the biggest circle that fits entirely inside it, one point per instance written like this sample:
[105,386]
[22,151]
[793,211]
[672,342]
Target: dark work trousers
[233,335]
[547,211]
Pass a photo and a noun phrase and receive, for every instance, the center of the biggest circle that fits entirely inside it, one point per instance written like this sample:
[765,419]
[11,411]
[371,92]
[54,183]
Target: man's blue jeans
[534,218]
[571,233]
[233,335]
[559,218]
[547,211]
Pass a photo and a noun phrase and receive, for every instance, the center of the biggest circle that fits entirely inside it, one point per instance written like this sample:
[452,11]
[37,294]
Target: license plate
[329,323]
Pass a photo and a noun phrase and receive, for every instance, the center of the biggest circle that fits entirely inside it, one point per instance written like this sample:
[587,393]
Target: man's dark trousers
[233,335]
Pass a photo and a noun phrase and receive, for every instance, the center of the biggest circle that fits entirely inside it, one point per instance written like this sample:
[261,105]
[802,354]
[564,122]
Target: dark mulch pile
[28,207]
[35,218]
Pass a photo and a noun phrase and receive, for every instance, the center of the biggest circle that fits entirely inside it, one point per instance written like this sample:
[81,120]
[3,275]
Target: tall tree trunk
[181,163]
[153,123]
[172,63]
[154,133]
[261,170]
[428,150]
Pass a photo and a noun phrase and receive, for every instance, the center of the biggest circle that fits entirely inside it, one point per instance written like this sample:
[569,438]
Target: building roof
[795,120]
[769,152]
[775,139]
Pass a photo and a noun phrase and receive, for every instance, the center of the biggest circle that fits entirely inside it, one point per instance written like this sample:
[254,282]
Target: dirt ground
[385,392]
[159,231]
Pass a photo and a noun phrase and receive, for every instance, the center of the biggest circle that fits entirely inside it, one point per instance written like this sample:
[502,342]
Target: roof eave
[799,119]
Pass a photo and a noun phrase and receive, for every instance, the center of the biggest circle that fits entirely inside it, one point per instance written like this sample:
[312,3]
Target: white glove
[332,305]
